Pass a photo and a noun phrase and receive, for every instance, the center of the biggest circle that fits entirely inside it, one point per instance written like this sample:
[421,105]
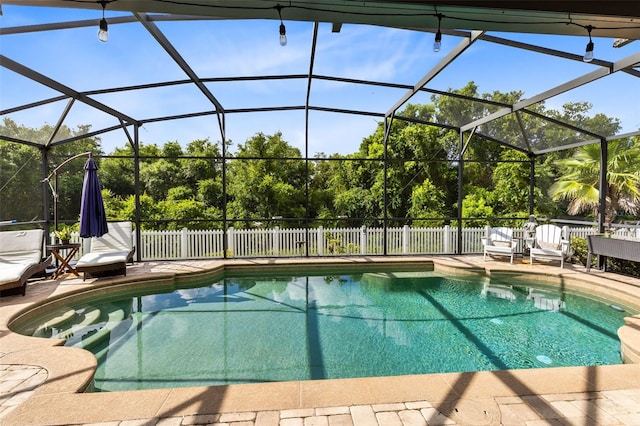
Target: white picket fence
[276,242]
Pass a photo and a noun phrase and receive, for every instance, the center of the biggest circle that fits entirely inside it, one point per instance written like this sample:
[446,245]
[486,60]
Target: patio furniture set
[23,255]
[548,242]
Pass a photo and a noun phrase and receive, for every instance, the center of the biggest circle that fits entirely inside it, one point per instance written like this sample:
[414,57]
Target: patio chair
[21,257]
[499,242]
[549,244]
[109,253]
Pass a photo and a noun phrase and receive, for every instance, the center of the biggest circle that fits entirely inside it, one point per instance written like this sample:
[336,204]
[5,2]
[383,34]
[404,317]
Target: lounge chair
[109,253]
[21,257]
[549,244]
[499,242]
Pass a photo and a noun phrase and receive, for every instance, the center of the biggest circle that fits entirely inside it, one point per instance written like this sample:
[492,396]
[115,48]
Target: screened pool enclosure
[414,100]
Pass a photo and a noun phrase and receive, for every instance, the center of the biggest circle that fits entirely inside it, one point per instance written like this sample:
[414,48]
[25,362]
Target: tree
[20,182]
[21,173]
[267,179]
[510,195]
[580,182]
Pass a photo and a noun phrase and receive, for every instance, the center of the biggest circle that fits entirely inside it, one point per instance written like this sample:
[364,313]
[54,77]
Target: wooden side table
[64,253]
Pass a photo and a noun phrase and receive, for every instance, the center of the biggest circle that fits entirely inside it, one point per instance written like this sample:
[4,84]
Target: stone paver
[268,418]
[340,420]
[412,418]
[363,415]
[389,418]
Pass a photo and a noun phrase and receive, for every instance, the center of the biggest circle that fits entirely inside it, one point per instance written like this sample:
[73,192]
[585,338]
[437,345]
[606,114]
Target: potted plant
[64,233]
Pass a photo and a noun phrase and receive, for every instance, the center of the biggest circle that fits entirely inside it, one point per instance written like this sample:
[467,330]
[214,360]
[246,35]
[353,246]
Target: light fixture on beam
[336,27]
[283,30]
[588,53]
[103,32]
[437,43]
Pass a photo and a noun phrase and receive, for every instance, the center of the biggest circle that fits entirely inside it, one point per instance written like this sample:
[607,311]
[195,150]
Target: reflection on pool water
[276,328]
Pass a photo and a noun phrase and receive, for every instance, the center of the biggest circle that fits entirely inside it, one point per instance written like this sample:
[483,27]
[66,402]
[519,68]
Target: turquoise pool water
[277,328]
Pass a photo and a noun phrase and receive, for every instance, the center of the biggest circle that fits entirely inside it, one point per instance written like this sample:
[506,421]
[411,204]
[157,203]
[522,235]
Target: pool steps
[95,326]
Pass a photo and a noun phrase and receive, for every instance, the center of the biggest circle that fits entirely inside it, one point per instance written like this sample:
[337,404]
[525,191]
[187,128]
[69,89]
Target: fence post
[405,239]
[230,239]
[276,241]
[184,244]
[363,240]
[320,239]
[446,240]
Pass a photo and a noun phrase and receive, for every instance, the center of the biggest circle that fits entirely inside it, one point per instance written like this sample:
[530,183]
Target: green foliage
[267,177]
[21,171]
[580,182]
[65,231]
[266,180]
[475,205]
[580,251]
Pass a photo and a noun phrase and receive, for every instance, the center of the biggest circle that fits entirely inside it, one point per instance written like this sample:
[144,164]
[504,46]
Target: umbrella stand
[54,187]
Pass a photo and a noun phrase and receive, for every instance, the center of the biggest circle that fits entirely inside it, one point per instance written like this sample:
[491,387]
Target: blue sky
[247,48]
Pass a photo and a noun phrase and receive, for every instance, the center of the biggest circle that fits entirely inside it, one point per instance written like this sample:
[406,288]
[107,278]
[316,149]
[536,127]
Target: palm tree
[580,183]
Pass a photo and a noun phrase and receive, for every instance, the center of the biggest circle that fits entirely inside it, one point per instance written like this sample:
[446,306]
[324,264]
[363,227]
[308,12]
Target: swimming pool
[241,329]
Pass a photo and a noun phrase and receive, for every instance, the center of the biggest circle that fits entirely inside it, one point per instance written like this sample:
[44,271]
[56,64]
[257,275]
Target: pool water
[279,328]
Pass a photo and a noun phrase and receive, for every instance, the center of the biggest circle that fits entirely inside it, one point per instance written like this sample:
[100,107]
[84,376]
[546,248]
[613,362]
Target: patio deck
[39,386]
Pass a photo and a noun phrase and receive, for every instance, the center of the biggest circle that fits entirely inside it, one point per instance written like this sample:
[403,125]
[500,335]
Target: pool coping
[59,400]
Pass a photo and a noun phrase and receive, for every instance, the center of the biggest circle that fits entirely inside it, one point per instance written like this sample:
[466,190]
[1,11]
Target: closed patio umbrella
[93,219]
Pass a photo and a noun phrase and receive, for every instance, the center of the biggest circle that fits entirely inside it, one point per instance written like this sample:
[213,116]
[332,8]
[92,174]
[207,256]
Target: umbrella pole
[54,173]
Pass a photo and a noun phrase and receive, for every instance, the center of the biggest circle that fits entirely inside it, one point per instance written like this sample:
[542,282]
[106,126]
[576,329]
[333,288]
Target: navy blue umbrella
[93,219]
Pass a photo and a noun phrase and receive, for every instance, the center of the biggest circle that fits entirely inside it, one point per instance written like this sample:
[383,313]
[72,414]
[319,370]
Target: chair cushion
[118,238]
[98,259]
[18,241]
[14,265]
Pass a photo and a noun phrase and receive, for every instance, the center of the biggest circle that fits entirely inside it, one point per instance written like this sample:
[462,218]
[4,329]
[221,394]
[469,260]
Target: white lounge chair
[21,257]
[499,242]
[549,244]
[111,252]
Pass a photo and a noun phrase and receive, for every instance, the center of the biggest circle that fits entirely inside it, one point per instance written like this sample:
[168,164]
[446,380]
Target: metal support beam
[136,181]
[602,206]
[532,182]
[460,190]
[52,84]
[451,56]
[46,205]
[523,130]
[312,58]
[577,82]
[175,55]
[388,122]
[56,128]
